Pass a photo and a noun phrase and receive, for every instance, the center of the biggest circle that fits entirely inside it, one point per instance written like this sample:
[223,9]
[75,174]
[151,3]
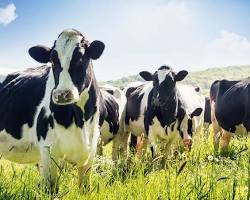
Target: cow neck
[168,113]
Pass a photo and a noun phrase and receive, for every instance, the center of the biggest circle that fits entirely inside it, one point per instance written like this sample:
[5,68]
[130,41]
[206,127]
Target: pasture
[198,174]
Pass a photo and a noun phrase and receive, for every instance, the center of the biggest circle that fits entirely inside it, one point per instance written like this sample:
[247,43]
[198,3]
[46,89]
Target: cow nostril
[68,95]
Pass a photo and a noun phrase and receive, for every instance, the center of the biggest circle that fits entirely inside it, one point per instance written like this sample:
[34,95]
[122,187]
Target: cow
[229,110]
[111,116]
[163,110]
[52,112]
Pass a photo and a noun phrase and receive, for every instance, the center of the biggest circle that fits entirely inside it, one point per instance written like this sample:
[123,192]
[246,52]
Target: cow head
[188,141]
[164,82]
[71,63]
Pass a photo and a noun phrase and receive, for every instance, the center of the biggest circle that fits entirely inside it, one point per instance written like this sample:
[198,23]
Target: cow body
[163,114]
[18,137]
[111,110]
[230,115]
[52,112]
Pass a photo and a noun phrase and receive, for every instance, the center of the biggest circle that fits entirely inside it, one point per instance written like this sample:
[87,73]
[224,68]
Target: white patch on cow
[159,139]
[136,127]
[147,88]
[65,46]
[24,150]
[162,73]
[106,136]
[74,144]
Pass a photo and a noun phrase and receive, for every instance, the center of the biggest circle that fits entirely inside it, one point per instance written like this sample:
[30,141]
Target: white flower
[210,158]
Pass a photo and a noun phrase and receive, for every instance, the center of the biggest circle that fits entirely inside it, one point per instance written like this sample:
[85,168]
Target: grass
[198,174]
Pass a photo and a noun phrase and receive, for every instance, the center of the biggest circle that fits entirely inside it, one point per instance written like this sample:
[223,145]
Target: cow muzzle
[188,143]
[64,97]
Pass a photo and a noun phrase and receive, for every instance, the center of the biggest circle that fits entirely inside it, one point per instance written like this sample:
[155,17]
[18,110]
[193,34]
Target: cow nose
[188,143]
[62,96]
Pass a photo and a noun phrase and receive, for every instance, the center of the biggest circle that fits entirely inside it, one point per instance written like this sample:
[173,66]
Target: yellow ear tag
[83,99]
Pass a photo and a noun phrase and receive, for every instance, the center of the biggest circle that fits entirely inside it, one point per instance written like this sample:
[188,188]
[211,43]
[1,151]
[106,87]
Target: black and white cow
[52,112]
[230,112]
[163,110]
[111,116]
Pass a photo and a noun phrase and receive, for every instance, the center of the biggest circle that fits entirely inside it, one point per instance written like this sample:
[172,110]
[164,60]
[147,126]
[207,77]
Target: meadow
[196,174]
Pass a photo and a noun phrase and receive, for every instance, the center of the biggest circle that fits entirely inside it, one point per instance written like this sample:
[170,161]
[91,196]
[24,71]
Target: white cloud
[228,49]
[8,14]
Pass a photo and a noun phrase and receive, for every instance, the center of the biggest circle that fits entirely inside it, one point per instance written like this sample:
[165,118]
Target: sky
[138,34]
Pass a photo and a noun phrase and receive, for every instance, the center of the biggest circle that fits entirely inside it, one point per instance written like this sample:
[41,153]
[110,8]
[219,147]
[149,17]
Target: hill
[203,78]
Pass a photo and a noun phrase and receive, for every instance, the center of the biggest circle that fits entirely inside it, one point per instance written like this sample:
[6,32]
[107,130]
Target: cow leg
[216,128]
[100,148]
[133,143]
[216,135]
[142,146]
[120,145]
[84,174]
[226,136]
[48,169]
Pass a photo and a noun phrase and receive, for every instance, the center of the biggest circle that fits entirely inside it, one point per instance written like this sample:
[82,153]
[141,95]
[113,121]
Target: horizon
[139,35]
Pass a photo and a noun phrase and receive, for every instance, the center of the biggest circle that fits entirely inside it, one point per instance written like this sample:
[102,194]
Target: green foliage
[199,174]
[202,79]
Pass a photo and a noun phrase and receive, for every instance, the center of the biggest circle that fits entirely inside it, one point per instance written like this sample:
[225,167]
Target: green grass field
[198,174]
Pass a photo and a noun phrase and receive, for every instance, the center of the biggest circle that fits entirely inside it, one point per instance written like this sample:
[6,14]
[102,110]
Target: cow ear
[95,49]
[196,112]
[40,53]
[147,76]
[181,75]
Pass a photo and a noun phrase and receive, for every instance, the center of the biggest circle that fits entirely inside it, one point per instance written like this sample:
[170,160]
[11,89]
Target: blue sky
[139,35]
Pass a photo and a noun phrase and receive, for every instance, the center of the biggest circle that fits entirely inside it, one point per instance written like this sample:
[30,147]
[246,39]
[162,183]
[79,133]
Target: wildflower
[183,155]
[210,158]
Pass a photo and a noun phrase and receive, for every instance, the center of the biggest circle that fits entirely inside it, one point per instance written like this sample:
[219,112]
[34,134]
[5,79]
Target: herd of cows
[58,111]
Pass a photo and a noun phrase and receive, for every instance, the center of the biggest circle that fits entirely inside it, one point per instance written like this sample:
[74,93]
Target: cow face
[71,63]
[164,81]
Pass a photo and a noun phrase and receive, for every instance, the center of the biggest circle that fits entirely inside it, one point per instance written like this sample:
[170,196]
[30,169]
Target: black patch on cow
[109,111]
[65,115]
[20,94]
[207,112]
[133,104]
[78,68]
[90,107]
[232,100]
[57,68]
[164,67]
[219,87]
[43,124]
